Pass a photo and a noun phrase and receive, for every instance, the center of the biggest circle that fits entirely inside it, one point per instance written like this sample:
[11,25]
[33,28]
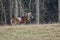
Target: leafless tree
[16,8]
[59,10]
[37,11]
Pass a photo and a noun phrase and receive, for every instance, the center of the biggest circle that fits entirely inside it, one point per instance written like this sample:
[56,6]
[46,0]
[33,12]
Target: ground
[30,32]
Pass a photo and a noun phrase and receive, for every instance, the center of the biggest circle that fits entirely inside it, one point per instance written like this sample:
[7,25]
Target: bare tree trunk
[59,10]
[16,8]
[20,7]
[11,9]
[43,11]
[37,11]
[30,5]
[3,11]
[4,15]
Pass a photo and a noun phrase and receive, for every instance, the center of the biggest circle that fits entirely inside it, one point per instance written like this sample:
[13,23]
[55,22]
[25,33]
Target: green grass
[30,32]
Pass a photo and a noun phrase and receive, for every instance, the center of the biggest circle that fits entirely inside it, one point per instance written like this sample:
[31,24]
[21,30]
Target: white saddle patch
[19,18]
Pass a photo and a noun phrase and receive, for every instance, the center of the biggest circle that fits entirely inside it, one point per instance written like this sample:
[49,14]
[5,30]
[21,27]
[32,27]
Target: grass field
[30,32]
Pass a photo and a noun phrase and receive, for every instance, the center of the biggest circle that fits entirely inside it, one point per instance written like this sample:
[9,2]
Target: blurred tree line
[48,10]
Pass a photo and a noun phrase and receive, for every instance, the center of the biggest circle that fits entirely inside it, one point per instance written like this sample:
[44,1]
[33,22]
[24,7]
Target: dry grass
[30,32]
